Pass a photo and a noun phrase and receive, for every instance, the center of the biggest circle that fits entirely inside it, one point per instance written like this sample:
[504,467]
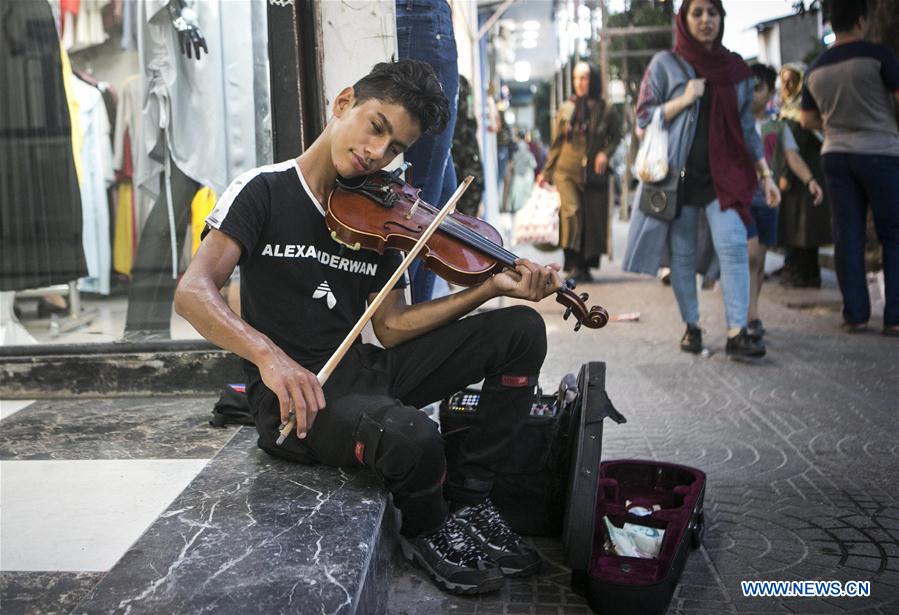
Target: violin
[380,211]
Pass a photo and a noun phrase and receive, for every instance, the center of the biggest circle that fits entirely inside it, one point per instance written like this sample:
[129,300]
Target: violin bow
[345,345]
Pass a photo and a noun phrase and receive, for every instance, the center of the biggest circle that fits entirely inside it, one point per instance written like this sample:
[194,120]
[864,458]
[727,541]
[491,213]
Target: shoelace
[454,544]
[490,523]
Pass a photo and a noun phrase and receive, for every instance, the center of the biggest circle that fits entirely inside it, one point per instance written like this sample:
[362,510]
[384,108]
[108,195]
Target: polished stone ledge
[124,428]
[116,370]
[252,534]
[44,593]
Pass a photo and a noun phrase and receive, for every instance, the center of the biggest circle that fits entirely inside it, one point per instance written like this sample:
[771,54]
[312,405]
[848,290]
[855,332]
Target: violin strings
[460,231]
[472,238]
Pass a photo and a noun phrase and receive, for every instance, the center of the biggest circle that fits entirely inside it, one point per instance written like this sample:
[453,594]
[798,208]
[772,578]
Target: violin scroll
[594,318]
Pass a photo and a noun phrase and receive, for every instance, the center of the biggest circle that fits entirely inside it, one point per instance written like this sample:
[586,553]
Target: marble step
[252,534]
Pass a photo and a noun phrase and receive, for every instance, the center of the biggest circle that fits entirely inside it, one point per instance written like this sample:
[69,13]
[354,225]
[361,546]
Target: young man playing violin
[302,293]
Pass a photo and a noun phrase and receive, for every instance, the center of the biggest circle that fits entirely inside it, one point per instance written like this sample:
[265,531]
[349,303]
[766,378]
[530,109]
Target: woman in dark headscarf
[704,93]
[587,133]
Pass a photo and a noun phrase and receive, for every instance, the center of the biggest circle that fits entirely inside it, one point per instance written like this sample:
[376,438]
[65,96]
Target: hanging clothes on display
[199,123]
[132,206]
[97,177]
[124,240]
[82,25]
[201,111]
[40,201]
[200,207]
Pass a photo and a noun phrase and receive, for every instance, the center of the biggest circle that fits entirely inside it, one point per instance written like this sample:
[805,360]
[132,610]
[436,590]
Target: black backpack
[232,408]
[529,487]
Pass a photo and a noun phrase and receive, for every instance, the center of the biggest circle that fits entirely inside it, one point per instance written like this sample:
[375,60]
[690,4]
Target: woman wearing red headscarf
[704,94]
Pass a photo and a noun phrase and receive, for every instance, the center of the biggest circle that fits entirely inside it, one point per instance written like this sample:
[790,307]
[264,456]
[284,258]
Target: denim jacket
[664,80]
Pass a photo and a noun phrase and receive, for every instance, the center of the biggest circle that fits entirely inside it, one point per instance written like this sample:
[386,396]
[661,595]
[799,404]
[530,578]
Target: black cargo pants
[372,415]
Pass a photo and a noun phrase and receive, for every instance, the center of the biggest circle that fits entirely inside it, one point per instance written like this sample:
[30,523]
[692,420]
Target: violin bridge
[413,208]
[352,246]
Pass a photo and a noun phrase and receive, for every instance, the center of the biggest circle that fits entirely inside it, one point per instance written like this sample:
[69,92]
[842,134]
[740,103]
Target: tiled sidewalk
[800,450]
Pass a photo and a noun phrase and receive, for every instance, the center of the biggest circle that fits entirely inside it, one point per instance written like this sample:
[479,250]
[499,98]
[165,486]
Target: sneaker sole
[509,572]
[490,585]
[522,572]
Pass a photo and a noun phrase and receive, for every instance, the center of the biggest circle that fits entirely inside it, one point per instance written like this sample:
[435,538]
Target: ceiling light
[531,24]
[522,71]
[530,35]
[529,43]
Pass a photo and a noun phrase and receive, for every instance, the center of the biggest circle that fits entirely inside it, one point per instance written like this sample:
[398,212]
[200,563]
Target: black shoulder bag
[592,180]
[659,199]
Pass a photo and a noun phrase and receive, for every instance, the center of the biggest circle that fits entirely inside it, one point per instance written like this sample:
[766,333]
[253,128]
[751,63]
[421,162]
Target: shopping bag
[537,222]
[651,164]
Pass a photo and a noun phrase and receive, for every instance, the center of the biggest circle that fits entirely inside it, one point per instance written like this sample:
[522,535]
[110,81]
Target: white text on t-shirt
[291,250]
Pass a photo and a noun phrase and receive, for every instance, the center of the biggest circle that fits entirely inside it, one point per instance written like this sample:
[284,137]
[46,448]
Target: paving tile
[800,448]
[83,515]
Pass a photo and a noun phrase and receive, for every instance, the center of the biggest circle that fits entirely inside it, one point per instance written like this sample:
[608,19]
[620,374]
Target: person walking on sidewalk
[587,133]
[782,153]
[302,293]
[705,95]
[852,92]
[803,225]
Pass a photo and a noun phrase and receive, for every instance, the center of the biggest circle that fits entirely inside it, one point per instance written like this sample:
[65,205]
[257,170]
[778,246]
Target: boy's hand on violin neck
[297,389]
[528,280]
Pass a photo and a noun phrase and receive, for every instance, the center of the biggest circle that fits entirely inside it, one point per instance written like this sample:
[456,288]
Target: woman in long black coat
[802,226]
[587,132]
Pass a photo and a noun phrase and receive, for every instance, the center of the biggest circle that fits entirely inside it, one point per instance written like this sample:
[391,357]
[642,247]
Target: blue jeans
[855,181]
[764,220]
[424,30]
[729,238]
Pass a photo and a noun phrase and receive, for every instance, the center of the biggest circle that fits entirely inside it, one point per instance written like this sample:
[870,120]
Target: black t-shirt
[697,188]
[297,285]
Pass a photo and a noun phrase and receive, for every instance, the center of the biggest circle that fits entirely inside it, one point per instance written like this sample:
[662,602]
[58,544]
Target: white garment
[204,109]
[98,176]
[88,29]
[128,119]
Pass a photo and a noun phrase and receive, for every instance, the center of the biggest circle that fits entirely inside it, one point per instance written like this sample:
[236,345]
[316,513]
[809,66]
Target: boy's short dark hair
[765,74]
[411,84]
[845,13]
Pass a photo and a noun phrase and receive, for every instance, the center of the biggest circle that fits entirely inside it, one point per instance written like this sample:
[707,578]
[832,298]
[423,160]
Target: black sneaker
[692,340]
[516,556]
[454,559]
[744,345]
[755,328]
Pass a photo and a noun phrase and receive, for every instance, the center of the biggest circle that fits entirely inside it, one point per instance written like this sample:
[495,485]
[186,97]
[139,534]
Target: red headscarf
[732,167]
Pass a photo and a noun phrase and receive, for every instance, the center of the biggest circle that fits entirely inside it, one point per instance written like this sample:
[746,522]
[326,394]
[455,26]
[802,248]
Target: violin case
[561,454]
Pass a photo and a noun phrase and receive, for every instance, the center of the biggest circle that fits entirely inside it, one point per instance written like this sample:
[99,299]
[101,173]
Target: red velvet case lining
[675,488]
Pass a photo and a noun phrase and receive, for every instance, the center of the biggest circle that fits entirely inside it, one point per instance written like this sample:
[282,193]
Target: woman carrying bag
[704,93]
[587,133]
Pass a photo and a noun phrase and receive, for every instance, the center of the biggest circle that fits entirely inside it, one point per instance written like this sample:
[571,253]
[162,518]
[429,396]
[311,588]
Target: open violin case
[560,463]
